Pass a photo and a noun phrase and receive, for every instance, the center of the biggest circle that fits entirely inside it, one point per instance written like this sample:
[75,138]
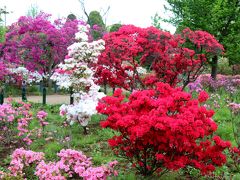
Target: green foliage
[33,10]
[115,27]
[156,19]
[3,31]
[71,16]
[224,67]
[95,18]
[218,17]
[51,149]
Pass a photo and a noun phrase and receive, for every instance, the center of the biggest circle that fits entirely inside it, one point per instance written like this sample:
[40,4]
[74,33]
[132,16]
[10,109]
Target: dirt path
[51,99]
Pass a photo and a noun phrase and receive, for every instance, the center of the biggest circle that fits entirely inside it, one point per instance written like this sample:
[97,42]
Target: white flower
[75,73]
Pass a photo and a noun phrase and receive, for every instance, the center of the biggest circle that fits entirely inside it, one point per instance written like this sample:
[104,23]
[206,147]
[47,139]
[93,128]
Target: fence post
[24,97]
[71,97]
[55,88]
[44,95]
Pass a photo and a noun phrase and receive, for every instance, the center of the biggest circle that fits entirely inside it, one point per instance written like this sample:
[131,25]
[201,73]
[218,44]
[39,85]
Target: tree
[33,10]
[97,25]
[95,20]
[5,12]
[76,74]
[156,21]
[115,27]
[3,31]
[37,44]
[218,17]
[71,17]
[137,57]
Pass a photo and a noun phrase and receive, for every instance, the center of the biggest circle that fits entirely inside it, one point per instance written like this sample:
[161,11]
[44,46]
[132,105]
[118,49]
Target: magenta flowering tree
[37,44]
[3,72]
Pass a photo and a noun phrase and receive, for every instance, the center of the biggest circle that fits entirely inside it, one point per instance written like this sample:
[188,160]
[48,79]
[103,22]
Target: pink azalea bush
[42,115]
[14,123]
[22,158]
[3,71]
[15,117]
[72,163]
[229,83]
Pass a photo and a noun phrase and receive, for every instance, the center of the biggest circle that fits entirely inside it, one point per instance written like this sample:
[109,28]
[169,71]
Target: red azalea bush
[163,129]
[162,54]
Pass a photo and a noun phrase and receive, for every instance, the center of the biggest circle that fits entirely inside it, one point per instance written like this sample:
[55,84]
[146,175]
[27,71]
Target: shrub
[71,164]
[163,129]
[224,67]
[14,123]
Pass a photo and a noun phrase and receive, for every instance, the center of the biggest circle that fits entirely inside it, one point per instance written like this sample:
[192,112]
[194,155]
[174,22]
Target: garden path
[51,99]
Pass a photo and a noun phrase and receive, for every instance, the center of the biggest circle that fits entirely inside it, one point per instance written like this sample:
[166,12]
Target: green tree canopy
[218,17]
[97,25]
[115,27]
[95,18]
[33,10]
[3,31]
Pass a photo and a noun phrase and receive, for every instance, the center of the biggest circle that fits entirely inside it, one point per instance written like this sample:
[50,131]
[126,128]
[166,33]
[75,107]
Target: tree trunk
[50,84]
[1,95]
[214,67]
[44,91]
[105,88]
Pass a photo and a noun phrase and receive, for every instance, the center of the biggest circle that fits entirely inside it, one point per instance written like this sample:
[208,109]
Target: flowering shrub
[42,115]
[235,156]
[163,129]
[204,40]
[76,73]
[11,118]
[235,108]
[14,123]
[72,164]
[20,74]
[235,112]
[161,53]
[3,72]
[228,83]
[84,108]
[22,158]
[37,44]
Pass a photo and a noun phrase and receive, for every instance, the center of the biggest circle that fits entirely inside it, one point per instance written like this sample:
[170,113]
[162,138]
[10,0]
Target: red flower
[203,96]
[165,128]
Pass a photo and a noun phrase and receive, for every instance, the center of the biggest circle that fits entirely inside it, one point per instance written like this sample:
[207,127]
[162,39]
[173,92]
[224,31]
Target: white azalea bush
[76,73]
[20,74]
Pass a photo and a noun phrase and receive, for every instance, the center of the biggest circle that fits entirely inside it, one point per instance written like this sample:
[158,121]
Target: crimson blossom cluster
[163,128]
[168,58]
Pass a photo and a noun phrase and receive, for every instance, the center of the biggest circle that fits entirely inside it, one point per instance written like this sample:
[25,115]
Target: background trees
[37,44]
[218,17]
[135,57]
